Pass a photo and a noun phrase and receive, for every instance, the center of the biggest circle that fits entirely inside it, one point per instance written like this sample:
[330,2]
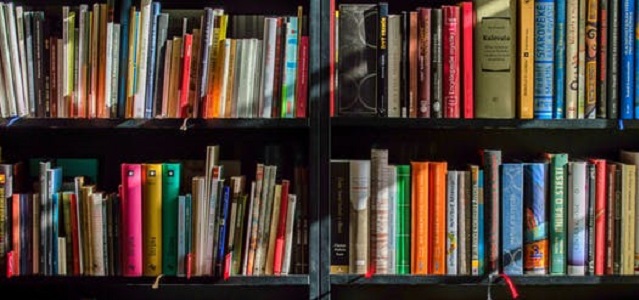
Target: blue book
[544,58]
[125,8]
[512,194]
[559,102]
[480,217]
[54,184]
[636,84]
[150,66]
[536,252]
[626,84]
[222,229]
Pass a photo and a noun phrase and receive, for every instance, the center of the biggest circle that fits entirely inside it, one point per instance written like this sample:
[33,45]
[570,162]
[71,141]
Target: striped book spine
[536,254]
[512,193]
[544,58]
[627,82]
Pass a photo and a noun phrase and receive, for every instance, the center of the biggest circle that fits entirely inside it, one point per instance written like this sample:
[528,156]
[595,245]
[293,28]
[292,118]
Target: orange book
[419,218]
[437,197]
[15,234]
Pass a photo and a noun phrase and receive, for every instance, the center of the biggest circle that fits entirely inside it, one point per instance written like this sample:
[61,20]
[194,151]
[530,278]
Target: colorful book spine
[290,68]
[419,218]
[536,252]
[592,19]
[452,232]
[223,228]
[171,173]
[572,58]
[403,219]
[451,44]
[600,215]
[512,196]
[476,214]
[132,219]
[627,82]
[581,63]
[560,60]
[544,58]
[437,207]
[558,199]
[382,60]
[424,50]
[577,208]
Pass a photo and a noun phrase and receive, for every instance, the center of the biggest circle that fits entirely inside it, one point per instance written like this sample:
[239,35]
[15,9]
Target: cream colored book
[97,236]
[142,58]
[23,107]
[174,92]
[288,244]
[108,68]
[632,158]
[62,256]
[15,61]
[572,57]
[628,218]
[360,171]
[5,59]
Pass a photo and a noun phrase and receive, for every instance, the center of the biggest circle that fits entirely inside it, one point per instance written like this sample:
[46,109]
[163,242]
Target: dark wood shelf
[480,124]
[35,281]
[410,280]
[161,124]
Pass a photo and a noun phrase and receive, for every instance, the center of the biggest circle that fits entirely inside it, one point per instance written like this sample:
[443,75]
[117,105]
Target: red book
[467,58]
[131,206]
[600,215]
[451,55]
[302,79]
[280,237]
[15,233]
[186,76]
[74,235]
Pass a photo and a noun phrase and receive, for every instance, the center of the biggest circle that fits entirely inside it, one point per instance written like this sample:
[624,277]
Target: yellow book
[628,191]
[525,52]
[152,219]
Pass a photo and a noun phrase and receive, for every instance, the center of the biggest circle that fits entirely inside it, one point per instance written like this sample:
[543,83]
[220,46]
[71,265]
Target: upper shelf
[481,124]
[164,124]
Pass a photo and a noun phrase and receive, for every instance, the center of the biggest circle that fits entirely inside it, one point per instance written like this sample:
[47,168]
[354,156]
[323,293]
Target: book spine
[610,218]
[577,208]
[150,63]
[132,219]
[628,219]
[382,60]
[392,218]
[437,64]
[600,216]
[289,71]
[572,57]
[115,71]
[29,43]
[185,78]
[223,229]
[404,64]
[476,211]
[558,200]
[286,263]
[451,55]
[16,107]
[627,81]
[39,61]
[125,8]
[465,223]
[452,233]
[206,48]
[359,194]
[425,62]
[618,221]
[379,211]
[6,63]
[160,65]
[536,252]
[420,218]
[181,235]
[581,54]
[491,163]
[612,59]
[301,111]
[171,173]
[23,105]
[592,187]
[560,60]
[280,233]
[437,206]
[467,23]
[413,65]
[403,219]
[340,217]
[512,193]
[592,19]
[602,59]
[544,58]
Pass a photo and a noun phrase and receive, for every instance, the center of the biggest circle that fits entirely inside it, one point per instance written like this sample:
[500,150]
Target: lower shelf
[240,287]
[385,287]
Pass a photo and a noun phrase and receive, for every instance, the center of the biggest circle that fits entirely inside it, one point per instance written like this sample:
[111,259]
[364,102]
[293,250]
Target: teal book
[403,219]
[170,192]
[557,202]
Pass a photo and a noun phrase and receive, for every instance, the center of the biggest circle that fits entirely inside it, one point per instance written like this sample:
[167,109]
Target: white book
[108,69]
[572,56]
[226,69]
[211,229]
[5,58]
[142,59]
[97,236]
[577,209]
[451,221]
[62,256]
[360,191]
[379,210]
[288,244]
[248,78]
[15,62]
[23,107]
[394,62]
[268,67]
[115,70]
[392,219]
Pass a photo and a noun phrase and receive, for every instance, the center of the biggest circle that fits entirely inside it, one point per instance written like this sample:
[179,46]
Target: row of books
[145,62]
[224,225]
[573,59]
[557,215]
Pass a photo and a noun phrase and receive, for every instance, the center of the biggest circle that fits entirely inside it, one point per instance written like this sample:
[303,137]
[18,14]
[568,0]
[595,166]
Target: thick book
[132,219]
[392,218]
[477,219]
[359,171]
[171,173]
[592,49]
[628,237]
[544,58]
[437,211]
[152,218]
[601,186]
[357,60]
[339,206]
[419,218]
[379,211]
[558,179]
[632,158]
[536,252]
[512,196]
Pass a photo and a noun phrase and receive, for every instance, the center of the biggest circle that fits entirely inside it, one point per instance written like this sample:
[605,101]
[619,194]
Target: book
[420,218]
[171,174]
[452,231]
[359,183]
[536,245]
[132,219]
[512,196]
[403,219]
[544,58]
[339,204]
[577,208]
[558,179]
[491,161]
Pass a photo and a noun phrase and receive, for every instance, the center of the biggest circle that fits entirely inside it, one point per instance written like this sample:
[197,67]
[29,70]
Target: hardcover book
[512,196]
[536,252]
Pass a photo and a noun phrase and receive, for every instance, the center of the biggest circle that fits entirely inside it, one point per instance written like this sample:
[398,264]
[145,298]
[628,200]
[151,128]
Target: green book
[170,193]
[558,199]
[403,219]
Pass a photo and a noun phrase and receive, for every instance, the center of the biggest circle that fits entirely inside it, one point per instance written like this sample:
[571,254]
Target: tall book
[452,230]
[451,44]
[572,58]
[437,64]
[152,218]
[132,219]
[340,216]
[420,219]
[592,46]
[559,94]
[627,60]
[171,173]
[403,219]
[491,161]
[612,60]
[382,60]
[536,252]
[359,183]
[495,68]
[392,218]
[577,208]
[379,211]
[477,219]
[558,177]
[437,211]
[544,58]
[632,158]
[602,60]
[467,71]
[512,201]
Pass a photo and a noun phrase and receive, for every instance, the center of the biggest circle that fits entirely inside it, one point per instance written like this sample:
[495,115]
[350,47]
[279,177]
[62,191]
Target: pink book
[302,79]
[280,238]
[186,76]
[451,55]
[131,219]
[467,57]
